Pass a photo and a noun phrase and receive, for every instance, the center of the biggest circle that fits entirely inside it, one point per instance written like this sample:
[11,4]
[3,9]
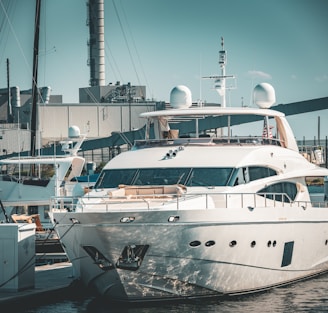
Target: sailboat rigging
[35,78]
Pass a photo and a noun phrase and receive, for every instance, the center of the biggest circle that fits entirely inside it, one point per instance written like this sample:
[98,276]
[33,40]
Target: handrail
[224,140]
[205,201]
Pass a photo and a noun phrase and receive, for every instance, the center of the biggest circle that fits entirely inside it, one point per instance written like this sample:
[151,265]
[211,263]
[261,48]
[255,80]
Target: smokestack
[96,43]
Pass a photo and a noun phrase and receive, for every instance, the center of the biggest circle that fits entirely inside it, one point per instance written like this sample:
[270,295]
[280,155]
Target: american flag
[266,129]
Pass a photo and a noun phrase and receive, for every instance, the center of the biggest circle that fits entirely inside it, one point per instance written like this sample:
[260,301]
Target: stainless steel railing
[210,200]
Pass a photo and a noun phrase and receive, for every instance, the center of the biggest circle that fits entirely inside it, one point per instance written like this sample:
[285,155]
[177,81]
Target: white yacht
[191,216]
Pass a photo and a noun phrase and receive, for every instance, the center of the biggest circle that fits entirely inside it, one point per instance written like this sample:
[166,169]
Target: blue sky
[161,44]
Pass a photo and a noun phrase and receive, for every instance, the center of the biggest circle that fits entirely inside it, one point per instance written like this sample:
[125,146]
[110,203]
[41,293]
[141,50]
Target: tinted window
[260,172]
[284,191]
[209,177]
[164,176]
[161,176]
[113,178]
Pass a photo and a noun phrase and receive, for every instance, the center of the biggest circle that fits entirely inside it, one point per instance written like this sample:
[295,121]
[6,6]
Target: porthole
[195,243]
[253,244]
[271,243]
[209,243]
[232,243]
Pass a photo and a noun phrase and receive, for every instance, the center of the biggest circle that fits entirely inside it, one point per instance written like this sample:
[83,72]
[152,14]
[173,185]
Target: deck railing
[224,140]
[181,202]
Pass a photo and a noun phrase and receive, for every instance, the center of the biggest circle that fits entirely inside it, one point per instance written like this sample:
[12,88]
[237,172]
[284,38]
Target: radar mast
[220,80]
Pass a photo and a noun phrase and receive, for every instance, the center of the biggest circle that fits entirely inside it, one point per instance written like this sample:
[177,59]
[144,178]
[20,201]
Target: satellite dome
[74,132]
[180,97]
[264,95]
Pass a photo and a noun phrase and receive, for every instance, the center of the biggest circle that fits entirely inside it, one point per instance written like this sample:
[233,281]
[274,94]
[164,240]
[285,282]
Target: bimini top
[167,123]
[210,111]
[185,121]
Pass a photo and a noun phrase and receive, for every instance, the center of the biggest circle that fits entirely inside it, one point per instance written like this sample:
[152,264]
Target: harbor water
[306,296]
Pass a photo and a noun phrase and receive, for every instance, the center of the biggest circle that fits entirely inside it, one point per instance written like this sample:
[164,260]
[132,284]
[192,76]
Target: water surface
[306,296]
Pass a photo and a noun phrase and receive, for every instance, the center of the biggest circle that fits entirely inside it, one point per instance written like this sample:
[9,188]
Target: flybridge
[185,121]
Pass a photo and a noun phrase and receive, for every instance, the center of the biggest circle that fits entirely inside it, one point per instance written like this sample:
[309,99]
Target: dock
[52,282]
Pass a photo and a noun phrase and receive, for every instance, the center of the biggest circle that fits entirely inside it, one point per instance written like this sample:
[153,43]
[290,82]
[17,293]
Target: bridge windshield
[165,176]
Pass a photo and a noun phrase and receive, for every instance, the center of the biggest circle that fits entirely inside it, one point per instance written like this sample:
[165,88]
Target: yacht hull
[196,253]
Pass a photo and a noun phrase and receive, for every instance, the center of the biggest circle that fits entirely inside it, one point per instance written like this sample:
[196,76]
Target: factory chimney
[96,42]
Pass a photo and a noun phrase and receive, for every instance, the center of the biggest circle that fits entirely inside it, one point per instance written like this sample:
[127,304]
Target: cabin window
[28,174]
[161,176]
[164,176]
[33,209]
[19,210]
[258,172]
[209,177]
[113,178]
[283,191]
[245,175]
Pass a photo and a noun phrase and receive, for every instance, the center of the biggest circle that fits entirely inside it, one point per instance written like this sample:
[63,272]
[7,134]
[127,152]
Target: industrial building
[102,109]
[107,113]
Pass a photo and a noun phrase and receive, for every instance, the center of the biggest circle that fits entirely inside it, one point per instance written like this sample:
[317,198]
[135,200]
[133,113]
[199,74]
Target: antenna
[220,80]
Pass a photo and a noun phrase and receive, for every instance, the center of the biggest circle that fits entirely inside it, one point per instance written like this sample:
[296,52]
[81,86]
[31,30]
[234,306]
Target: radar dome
[264,95]
[74,132]
[180,97]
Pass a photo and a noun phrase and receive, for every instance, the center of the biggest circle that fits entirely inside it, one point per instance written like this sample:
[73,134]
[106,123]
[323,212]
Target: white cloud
[259,74]
[322,78]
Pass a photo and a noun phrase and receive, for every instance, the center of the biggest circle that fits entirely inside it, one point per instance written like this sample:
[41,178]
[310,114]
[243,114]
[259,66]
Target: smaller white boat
[28,183]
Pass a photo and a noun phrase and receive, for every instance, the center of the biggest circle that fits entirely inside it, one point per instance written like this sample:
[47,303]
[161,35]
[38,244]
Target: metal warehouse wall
[95,120]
